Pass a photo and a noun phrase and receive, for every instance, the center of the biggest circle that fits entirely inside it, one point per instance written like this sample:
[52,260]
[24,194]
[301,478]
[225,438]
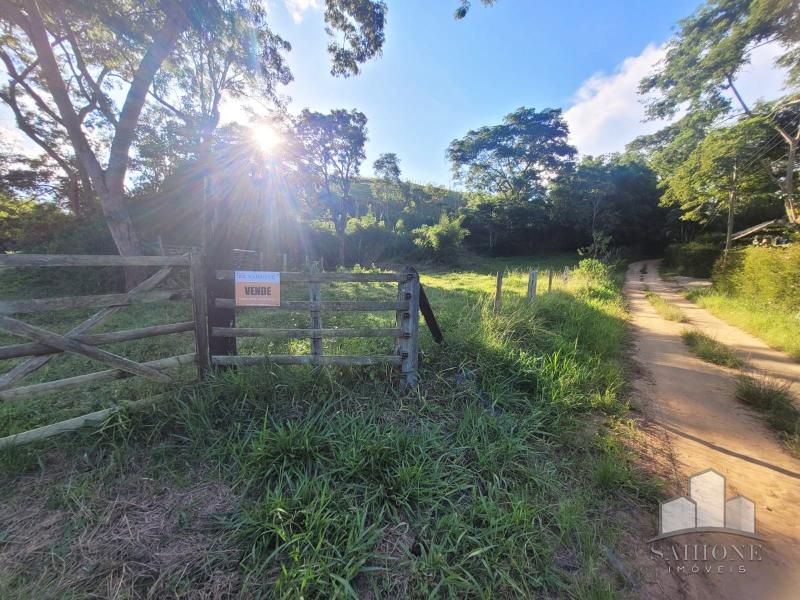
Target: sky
[438,78]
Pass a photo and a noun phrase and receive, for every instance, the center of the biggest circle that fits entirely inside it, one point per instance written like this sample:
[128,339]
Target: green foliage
[694,259]
[511,159]
[775,400]
[666,308]
[710,350]
[767,276]
[701,185]
[468,486]
[442,239]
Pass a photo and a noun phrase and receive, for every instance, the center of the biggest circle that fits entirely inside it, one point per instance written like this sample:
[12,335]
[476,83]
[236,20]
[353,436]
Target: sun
[266,136]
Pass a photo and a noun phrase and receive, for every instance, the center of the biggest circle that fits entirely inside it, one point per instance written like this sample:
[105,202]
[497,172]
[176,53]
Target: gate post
[407,346]
[197,281]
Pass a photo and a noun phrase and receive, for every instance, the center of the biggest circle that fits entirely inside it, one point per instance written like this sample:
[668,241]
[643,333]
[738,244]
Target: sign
[257,288]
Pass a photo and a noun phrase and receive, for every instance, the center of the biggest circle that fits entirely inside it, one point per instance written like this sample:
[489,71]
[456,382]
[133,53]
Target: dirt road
[691,422]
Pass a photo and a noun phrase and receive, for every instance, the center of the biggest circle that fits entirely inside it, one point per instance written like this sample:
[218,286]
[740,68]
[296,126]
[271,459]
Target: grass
[710,350]
[778,328]
[666,309]
[496,477]
[775,400]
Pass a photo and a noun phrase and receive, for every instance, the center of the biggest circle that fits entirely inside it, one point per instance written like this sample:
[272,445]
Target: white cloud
[607,111]
[298,8]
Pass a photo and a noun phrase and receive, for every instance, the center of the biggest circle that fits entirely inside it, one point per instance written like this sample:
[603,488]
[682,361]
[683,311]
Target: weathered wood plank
[430,319]
[197,276]
[324,305]
[408,320]
[284,359]
[292,277]
[32,364]
[298,334]
[498,292]
[10,307]
[40,433]
[315,317]
[532,277]
[96,339]
[92,378]
[29,366]
[70,345]
[90,260]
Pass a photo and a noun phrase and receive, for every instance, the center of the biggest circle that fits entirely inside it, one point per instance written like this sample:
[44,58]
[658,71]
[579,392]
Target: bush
[442,239]
[695,259]
[764,275]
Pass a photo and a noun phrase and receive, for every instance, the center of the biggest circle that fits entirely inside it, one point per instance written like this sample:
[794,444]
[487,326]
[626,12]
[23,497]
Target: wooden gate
[41,344]
[406,307]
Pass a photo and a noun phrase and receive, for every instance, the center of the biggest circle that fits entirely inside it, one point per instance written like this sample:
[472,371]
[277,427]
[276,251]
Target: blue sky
[439,77]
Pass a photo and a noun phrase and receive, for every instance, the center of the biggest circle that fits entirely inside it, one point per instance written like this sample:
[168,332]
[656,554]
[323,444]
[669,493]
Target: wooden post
[197,279]
[532,276]
[218,246]
[285,262]
[498,292]
[408,321]
[161,247]
[549,279]
[316,317]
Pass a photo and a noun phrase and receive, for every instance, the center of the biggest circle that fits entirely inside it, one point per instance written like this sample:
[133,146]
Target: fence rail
[41,345]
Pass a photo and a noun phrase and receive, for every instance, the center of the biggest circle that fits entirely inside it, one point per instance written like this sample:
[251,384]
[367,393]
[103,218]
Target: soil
[689,421]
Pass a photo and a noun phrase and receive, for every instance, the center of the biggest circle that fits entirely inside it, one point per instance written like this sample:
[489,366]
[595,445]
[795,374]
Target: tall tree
[710,49]
[330,148]
[68,62]
[515,158]
[387,186]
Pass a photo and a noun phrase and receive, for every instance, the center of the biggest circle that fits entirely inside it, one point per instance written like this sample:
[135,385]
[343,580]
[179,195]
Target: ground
[689,421]
[501,476]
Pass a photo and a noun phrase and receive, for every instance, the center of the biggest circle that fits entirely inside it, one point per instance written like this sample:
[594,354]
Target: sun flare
[266,136]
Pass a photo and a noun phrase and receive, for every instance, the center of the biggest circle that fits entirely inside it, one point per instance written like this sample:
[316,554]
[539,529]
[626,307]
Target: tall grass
[710,349]
[666,309]
[483,482]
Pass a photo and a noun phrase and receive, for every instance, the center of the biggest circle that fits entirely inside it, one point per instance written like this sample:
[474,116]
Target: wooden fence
[406,307]
[40,344]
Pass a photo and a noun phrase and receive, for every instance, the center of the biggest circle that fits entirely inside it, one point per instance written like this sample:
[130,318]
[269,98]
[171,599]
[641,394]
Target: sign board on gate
[257,288]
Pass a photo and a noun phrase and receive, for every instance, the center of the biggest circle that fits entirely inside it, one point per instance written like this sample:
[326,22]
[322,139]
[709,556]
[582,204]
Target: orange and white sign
[258,288]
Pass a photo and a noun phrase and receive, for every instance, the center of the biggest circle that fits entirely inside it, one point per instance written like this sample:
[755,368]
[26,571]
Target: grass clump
[775,400]
[493,478]
[710,350]
[778,327]
[666,309]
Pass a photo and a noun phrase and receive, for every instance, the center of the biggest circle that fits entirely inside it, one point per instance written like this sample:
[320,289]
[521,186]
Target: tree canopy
[515,158]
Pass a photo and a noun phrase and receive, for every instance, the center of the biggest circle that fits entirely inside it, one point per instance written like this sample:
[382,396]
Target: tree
[330,149]
[722,168]
[387,186]
[66,62]
[710,48]
[607,199]
[515,158]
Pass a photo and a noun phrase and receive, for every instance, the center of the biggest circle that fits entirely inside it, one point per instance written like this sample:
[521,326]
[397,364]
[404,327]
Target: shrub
[767,276]
[443,238]
[695,259]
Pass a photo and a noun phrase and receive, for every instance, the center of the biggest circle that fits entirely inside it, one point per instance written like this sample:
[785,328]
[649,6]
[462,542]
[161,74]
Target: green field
[496,477]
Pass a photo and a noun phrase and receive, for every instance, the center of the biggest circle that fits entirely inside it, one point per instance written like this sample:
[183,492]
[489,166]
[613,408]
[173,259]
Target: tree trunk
[788,198]
[731,211]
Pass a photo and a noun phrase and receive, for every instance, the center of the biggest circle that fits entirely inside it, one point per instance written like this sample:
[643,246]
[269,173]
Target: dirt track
[692,423]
